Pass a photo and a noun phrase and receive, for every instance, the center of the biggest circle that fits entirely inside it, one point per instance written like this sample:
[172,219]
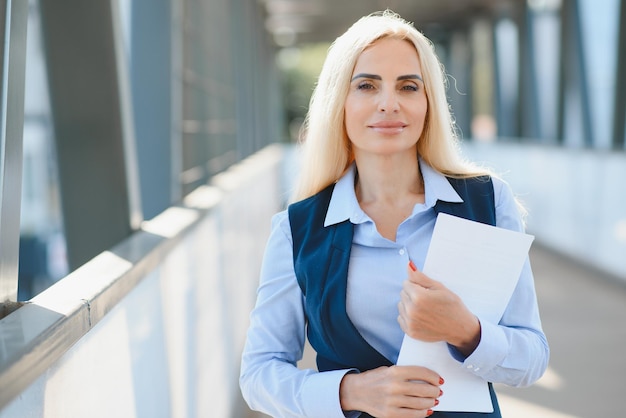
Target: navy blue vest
[321,256]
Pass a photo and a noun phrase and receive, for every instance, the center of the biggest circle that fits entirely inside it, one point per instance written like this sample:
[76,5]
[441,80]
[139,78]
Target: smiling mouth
[388,127]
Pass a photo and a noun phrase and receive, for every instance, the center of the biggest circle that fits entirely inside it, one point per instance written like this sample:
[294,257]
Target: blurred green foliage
[300,68]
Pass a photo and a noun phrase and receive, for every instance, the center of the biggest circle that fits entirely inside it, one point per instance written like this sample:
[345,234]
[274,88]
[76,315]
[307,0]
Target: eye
[409,87]
[365,85]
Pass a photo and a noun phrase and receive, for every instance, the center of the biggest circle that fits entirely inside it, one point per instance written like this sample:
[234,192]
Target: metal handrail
[13,22]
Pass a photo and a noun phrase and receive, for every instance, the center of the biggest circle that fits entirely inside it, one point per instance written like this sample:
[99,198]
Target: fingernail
[412,265]
[440,392]
[429,412]
[441,381]
[436,402]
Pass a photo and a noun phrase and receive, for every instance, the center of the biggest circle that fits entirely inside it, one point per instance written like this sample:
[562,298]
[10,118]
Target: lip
[388,127]
[386,124]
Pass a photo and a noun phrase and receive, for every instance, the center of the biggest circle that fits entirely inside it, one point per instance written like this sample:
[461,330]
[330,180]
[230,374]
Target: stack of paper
[481,264]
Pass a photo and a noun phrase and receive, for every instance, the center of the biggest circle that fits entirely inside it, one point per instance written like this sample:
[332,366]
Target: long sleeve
[270,380]
[515,351]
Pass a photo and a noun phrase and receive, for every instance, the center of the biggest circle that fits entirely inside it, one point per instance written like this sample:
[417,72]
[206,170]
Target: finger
[422,390]
[418,374]
[412,413]
[427,377]
[409,292]
[416,407]
[417,277]
[406,305]
[403,310]
[402,324]
[416,403]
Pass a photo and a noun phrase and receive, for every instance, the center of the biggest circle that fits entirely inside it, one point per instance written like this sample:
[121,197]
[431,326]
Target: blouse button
[401,251]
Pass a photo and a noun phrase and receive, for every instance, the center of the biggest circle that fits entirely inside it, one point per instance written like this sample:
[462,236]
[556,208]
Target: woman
[343,263]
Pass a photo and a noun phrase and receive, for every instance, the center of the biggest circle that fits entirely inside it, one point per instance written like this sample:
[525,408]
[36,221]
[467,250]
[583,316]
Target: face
[386,106]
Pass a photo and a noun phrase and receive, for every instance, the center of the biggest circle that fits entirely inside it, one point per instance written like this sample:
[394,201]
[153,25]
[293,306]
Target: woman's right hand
[391,392]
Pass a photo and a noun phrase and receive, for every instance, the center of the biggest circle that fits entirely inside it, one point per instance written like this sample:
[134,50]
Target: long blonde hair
[325,147]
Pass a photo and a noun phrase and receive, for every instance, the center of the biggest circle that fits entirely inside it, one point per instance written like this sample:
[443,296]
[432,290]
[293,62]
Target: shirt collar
[344,205]
[436,186]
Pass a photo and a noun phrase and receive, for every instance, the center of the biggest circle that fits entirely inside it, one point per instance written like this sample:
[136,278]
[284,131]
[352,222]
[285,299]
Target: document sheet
[480,263]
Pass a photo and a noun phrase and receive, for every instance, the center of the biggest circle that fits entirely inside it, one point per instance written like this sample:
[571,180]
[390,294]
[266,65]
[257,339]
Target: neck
[388,178]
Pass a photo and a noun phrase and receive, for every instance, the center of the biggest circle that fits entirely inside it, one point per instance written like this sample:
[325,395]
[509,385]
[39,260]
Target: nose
[388,102]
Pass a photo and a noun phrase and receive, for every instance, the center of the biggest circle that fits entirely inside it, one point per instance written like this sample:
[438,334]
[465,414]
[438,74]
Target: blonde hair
[325,147]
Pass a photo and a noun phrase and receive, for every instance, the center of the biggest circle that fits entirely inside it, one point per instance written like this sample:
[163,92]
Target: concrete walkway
[584,317]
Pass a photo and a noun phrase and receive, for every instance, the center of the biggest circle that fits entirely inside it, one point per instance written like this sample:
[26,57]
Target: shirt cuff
[490,352]
[320,394]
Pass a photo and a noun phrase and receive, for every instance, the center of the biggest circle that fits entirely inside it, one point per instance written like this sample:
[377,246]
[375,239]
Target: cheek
[349,106]
[352,113]
[421,110]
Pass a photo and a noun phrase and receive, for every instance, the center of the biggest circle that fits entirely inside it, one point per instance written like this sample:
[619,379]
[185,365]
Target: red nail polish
[441,381]
[436,402]
[429,412]
[412,265]
[440,392]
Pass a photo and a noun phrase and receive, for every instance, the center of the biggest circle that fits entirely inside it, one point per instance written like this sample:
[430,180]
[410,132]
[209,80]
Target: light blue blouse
[514,352]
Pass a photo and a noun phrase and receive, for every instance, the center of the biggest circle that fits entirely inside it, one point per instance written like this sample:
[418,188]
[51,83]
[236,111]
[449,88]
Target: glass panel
[547,45]
[42,245]
[599,26]
[507,55]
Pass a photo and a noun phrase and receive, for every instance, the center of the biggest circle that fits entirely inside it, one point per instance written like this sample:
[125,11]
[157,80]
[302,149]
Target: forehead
[389,54]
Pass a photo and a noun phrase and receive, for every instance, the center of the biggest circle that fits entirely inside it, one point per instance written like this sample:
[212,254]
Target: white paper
[480,263]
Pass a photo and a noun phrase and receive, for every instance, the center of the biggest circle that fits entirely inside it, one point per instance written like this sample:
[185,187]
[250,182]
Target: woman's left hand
[429,311]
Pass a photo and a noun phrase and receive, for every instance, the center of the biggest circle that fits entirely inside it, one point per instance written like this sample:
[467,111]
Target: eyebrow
[377,77]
